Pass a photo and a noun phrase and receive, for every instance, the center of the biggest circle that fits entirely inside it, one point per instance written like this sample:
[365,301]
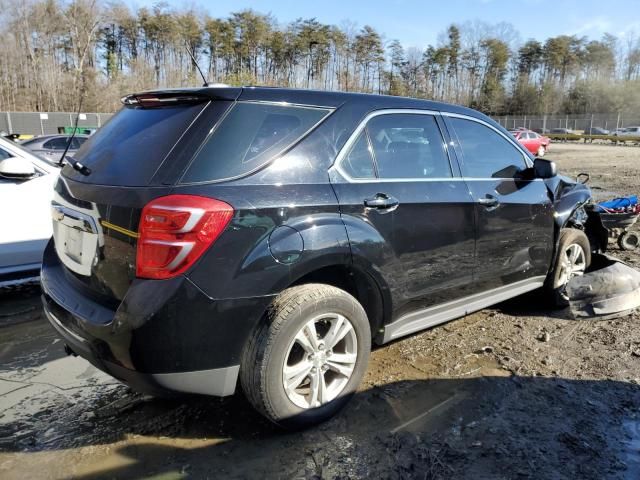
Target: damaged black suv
[268,237]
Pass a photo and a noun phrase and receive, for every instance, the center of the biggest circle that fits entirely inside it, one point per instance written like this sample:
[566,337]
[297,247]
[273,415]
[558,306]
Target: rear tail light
[175,231]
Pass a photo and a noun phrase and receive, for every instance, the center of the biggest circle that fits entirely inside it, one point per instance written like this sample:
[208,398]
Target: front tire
[307,357]
[574,257]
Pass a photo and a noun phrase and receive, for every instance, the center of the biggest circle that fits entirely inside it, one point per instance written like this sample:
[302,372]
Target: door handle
[381,202]
[489,201]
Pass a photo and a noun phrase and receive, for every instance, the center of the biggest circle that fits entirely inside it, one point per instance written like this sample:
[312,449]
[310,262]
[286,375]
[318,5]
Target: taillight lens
[175,231]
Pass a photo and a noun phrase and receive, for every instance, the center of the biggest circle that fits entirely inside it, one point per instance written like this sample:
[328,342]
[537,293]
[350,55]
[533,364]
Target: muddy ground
[514,391]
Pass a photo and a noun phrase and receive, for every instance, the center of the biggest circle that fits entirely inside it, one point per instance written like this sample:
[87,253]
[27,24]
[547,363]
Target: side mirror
[544,168]
[16,168]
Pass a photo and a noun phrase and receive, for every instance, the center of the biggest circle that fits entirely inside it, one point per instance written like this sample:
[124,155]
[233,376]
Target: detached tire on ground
[307,357]
[573,258]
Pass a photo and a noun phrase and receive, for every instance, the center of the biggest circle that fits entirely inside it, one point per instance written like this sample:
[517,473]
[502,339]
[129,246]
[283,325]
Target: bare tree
[55,49]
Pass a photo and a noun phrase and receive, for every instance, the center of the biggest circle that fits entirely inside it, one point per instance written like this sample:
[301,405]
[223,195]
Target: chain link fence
[35,123]
[544,123]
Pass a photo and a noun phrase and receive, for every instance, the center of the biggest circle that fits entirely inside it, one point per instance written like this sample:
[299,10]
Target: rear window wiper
[76,165]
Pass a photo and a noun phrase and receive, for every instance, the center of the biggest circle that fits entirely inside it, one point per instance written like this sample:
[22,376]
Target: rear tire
[628,241]
[573,258]
[295,371]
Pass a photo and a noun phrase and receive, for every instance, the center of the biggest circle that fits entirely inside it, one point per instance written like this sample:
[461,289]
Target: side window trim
[448,134]
[460,153]
[346,148]
[363,137]
[372,153]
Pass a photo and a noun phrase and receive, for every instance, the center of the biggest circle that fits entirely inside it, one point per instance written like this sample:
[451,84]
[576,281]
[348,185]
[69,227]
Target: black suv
[271,236]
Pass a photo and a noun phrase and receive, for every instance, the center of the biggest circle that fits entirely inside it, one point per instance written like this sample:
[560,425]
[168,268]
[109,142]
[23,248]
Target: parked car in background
[596,131]
[535,143]
[628,132]
[26,190]
[275,248]
[52,147]
[563,131]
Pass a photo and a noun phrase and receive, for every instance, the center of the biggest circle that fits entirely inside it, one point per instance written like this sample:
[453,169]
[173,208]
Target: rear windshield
[129,148]
[248,137]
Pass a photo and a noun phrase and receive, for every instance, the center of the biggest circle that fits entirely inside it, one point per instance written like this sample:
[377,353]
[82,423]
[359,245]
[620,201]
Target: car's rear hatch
[189,146]
[132,160]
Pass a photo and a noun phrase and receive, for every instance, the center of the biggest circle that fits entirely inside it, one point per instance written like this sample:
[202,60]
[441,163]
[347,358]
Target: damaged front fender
[567,196]
[611,288]
[573,209]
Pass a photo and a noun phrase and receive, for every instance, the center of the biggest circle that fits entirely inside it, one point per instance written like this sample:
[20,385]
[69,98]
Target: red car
[532,141]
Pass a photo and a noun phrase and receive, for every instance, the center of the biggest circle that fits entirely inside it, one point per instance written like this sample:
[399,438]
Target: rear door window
[408,146]
[486,154]
[248,137]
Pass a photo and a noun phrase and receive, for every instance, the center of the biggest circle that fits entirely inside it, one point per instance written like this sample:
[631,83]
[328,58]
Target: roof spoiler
[179,96]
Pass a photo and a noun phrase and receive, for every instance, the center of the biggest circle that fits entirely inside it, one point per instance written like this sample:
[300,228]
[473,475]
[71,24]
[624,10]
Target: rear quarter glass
[131,146]
[248,137]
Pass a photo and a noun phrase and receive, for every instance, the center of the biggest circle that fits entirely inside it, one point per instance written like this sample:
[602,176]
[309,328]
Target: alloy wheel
[320,360]
[572,263]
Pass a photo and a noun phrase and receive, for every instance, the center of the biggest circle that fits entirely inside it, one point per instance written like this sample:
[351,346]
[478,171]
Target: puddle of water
[27,345]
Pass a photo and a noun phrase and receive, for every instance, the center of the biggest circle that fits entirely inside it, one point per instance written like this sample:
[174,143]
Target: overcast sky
[417,23]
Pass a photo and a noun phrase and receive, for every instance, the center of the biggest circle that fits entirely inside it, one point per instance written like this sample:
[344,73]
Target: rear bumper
[164,336]
[219,382]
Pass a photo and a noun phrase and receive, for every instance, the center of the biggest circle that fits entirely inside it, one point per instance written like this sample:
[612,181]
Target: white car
[628,132]
[26,190]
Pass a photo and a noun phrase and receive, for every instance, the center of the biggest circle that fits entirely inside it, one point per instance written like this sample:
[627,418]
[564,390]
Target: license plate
[76,238]
[73,244]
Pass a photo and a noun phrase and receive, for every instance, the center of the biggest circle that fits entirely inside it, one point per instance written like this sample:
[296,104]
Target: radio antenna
[75,126]
[193,59]
[76,165]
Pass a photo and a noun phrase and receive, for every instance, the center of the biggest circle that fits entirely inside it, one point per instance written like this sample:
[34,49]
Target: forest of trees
[52,50]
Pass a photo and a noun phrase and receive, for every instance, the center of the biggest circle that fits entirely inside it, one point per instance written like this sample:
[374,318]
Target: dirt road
[515,391]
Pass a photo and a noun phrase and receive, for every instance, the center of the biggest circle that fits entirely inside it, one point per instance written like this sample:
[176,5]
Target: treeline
[54,50]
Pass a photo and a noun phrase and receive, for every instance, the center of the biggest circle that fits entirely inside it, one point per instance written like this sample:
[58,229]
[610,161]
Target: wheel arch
[357,282]
[584,218]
